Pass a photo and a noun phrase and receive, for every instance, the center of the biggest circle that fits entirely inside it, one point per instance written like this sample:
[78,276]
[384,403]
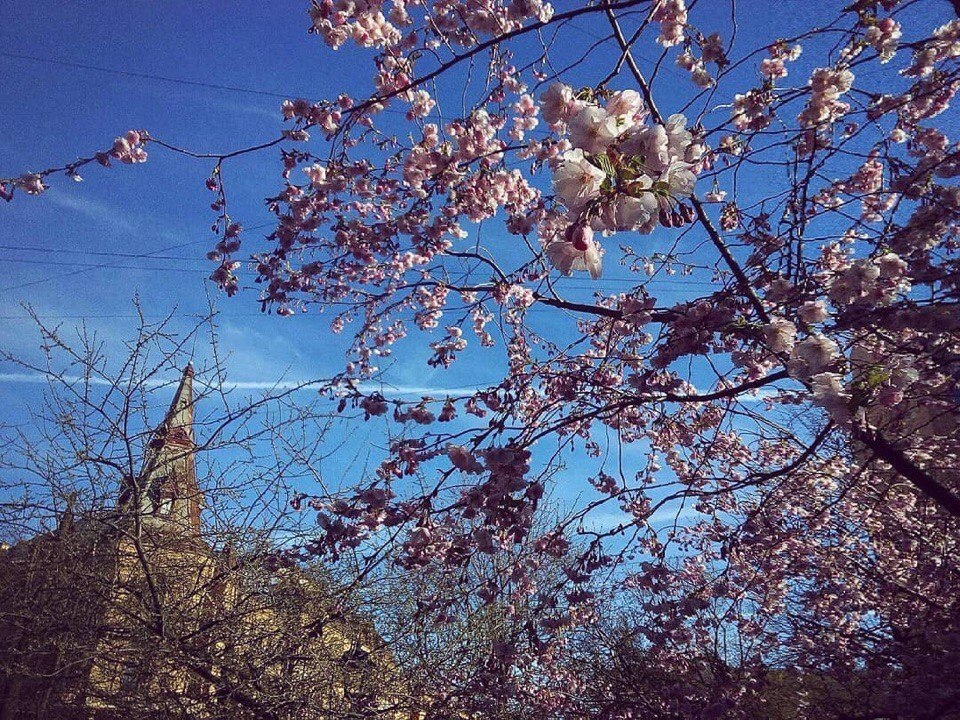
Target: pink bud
[580,236]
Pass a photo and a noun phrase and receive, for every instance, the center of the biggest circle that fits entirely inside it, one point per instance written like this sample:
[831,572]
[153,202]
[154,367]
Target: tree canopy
[794,410]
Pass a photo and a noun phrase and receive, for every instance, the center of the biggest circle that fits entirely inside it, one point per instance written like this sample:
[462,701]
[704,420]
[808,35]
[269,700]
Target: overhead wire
[112,266]
[105,266]
[85,268]
[163,78]
[97,253]
[564,281]
[25,317]
[142,75]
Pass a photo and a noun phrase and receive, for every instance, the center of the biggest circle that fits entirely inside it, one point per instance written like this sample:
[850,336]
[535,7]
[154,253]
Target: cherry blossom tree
[796,413]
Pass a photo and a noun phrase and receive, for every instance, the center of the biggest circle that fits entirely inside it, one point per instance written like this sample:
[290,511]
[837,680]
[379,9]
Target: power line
[94,266]
[164,78]
[84,268]
[96,253]
[564,281]
[114,266]
[536,310]
[118,316]
[144,76]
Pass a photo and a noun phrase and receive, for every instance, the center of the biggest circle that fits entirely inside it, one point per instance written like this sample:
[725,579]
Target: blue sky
[54,112]
[234,62]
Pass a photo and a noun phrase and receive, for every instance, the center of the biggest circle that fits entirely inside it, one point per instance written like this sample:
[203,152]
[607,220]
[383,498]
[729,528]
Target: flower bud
[580,236]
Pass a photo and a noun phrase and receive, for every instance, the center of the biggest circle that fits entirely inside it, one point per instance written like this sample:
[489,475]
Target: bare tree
[144,569]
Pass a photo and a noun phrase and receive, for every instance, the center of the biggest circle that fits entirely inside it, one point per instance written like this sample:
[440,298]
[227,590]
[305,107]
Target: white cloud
[608,520]
[98,211]
[108,215]
[275,385]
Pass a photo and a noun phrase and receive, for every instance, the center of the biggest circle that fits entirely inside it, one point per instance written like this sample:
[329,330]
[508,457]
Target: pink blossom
[830,394]
[751,110]
[626,105]
[593,130]
[813,355]
[883,37]
[826,86]
[558,104]
[672,16]
[463,459]
[576,180]
[567,257]
[812,312]
[31,184]
[129,148]
[637,213]
[679,177]
[944,45]
[780,334]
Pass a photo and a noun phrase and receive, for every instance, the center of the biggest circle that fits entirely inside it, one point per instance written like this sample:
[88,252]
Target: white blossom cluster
[621,173]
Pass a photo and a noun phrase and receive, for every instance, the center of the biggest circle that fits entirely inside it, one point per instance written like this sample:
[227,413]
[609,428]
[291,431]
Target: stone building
[133,614]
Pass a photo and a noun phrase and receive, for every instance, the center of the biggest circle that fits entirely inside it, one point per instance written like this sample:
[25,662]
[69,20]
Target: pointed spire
[178,424]
[166,488]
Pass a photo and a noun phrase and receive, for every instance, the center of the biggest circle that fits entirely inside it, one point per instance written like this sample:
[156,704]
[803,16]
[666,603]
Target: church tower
[166,490]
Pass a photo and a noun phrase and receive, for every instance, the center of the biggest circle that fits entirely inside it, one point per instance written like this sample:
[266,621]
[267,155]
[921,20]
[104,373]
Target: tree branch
[905,467]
